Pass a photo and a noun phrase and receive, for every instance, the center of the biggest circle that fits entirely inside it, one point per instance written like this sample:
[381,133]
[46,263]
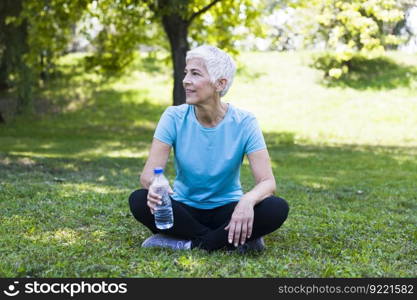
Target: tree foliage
[228,23]
[351,27]
[124,25]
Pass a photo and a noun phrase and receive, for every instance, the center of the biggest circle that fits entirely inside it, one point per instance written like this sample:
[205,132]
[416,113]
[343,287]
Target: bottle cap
[158,170]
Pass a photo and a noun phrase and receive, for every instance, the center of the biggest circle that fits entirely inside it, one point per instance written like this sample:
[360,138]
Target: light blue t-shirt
[208,160]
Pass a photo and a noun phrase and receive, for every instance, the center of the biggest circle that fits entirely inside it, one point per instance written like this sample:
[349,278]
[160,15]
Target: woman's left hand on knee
[241,223]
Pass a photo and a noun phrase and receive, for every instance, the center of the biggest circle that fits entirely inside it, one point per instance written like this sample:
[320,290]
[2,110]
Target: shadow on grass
[108,114]
[378,74]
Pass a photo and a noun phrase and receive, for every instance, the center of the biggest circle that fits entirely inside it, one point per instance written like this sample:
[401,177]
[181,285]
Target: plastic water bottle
[164,218]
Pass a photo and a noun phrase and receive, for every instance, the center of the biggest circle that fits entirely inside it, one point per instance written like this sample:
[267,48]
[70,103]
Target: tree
[33,35]
[182,23]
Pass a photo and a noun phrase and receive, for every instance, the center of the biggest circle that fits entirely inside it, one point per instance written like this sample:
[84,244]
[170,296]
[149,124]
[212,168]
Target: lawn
[344,156]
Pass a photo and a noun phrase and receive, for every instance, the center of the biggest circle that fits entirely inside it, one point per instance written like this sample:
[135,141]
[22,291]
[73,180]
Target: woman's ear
[221,84]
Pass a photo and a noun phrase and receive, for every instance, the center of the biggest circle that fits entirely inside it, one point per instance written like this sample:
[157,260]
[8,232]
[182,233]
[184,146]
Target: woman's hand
[154,199]
[240,225]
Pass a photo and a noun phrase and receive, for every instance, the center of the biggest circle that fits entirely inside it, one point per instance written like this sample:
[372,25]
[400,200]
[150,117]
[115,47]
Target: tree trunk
[177,30]
[14,41]
[3,59]
[3,74]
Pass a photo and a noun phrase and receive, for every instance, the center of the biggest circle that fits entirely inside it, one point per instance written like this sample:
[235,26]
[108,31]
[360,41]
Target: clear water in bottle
[164,217]
[163,213]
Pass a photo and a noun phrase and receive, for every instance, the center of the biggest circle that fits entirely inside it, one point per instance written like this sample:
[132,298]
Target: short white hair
[219,64]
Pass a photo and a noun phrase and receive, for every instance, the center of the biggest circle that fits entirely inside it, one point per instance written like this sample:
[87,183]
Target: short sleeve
[165,130]
[255,139]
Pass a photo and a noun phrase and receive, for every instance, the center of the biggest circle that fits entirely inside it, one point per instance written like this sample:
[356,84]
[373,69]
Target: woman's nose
[186,79]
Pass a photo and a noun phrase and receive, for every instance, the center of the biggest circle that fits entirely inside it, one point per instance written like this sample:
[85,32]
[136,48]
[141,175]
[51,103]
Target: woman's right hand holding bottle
[155,199]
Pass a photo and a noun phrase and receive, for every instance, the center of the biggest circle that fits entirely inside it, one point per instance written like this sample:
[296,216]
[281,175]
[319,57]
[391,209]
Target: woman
[210,138]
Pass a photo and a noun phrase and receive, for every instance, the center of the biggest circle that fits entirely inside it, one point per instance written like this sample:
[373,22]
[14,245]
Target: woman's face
[197,85]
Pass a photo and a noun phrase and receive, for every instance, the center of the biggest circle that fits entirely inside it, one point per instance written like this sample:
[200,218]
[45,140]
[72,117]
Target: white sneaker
[165,241]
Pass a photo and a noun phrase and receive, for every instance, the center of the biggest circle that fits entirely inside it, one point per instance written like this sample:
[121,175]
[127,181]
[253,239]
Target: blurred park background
[333,85]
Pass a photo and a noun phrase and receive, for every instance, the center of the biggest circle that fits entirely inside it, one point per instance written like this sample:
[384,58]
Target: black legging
[205,227]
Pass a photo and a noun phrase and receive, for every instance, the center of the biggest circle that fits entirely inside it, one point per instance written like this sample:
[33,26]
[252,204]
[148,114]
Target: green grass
[345,159]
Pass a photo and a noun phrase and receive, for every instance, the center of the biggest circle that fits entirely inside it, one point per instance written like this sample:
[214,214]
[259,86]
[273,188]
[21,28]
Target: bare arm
[158,157]
[260,164]
[241,222]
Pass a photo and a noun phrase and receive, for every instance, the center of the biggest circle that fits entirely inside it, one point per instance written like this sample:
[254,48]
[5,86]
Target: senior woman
[210,138]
